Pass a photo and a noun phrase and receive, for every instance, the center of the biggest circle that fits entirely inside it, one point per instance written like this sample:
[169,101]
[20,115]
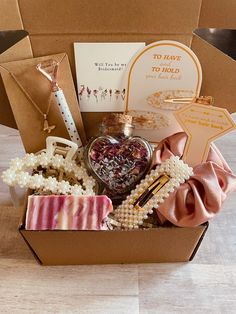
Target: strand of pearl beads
[17,175]
[130,217]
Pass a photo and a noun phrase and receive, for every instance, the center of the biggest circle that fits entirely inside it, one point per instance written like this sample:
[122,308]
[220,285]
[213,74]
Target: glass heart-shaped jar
[117,159]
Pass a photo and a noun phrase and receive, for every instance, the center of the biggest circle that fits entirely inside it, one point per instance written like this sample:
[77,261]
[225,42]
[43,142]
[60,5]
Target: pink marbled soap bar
[67,212]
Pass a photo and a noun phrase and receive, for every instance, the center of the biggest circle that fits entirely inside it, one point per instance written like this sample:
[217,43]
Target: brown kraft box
[106,21]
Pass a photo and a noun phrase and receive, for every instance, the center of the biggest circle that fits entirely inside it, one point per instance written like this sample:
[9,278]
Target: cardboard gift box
[109,21]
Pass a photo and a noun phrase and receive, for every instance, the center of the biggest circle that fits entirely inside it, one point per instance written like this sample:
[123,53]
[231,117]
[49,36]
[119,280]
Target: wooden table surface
[205,285]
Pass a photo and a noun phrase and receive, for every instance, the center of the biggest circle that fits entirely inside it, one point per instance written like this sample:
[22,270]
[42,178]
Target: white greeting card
[160,71]
[99,69]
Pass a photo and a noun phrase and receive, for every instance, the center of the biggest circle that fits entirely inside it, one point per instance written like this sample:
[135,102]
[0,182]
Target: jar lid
[117,118]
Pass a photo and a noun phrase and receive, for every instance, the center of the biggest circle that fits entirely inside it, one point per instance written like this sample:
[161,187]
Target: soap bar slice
[67,212]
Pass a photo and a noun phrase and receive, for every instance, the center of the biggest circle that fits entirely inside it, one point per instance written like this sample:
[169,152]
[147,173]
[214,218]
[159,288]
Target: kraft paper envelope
[14,45]
[28,118]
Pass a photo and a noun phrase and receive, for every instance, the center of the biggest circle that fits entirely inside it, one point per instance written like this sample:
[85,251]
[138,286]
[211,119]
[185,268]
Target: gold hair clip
[151,192]
[153,188]
[203,100]
[176,99]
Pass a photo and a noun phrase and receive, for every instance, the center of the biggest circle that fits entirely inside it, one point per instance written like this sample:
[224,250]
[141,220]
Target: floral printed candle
[117,159]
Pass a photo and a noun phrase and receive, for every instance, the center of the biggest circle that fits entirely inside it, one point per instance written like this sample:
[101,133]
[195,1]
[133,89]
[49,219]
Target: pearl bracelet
[17,174]
[151,192]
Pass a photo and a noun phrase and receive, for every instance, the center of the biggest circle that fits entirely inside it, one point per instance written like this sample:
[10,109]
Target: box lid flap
[106,16]
[218,13]
[216,57]
[10,15]
[222,39]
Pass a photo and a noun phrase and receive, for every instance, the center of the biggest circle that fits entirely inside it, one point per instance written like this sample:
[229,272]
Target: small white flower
[69,166]
[44,159]
[16,163]
[9,177]
[36,181]
[23,179]
[57,161]
[76,190]
[51,184]
[30,160]
[63,187]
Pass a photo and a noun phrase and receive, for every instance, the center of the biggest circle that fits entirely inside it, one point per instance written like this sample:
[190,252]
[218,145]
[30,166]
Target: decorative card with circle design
[162,70]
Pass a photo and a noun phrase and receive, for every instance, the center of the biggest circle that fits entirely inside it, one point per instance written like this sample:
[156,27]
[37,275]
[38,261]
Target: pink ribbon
[201,197]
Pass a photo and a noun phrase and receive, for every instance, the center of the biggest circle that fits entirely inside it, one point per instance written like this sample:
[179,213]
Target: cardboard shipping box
[53,27]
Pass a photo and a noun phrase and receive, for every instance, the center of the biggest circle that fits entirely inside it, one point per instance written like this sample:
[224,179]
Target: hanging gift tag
[162,70]
[203,124]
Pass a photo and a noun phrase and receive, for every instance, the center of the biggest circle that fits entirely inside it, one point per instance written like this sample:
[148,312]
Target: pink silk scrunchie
[201,197]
